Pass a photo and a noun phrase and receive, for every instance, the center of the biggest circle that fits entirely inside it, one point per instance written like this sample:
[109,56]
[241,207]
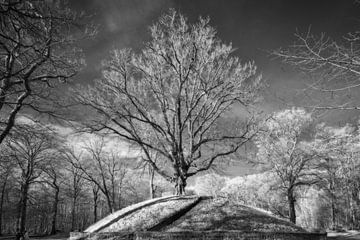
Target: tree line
[47,186]
[309,172]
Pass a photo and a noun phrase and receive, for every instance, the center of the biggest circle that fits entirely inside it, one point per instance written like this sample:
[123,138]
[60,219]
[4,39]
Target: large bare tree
[175,98]
[37,52]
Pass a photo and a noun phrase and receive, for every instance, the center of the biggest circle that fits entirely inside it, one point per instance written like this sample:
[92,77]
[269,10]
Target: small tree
[106,170]
[281,148]
[172,98]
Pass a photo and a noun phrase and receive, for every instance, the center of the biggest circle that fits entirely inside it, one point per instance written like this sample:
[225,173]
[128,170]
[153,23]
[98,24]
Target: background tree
[281,147]
[31,148]
[104,169]
[62,191]
[333,67]
[147,170]
[329,144]
[37,52]
[6,174]
[75,188]
[256,190]
[210,184]
[314,210]
[95,191]
[55,177]
[338,150]
[173,97]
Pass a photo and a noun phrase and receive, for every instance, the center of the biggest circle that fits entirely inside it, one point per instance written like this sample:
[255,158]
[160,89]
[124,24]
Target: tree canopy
[37,52]
[173,97]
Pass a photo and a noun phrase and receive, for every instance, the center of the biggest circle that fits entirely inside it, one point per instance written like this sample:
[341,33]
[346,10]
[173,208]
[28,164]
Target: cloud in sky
[78,141]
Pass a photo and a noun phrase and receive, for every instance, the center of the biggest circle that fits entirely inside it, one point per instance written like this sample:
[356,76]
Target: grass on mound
[150,216]
[221,214]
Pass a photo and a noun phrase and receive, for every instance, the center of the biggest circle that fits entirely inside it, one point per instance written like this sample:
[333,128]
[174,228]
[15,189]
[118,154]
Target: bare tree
[330,148]
[75,188]
[95,191]
[54,177]
[37,52]
[282,149]
[174,96]
[152,187]
[106,170]
[6,173]
[338,151]
[147,169]
[333,66]
[31,149]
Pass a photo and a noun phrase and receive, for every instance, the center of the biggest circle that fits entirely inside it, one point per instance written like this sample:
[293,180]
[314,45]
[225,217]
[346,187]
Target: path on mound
[148,215]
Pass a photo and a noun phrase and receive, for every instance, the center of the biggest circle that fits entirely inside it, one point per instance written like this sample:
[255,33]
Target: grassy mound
[221,214]
[191,213]
[150,216]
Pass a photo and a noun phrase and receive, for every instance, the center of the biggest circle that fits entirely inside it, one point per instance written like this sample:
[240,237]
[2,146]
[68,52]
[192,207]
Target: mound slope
[191,213]
[221,214]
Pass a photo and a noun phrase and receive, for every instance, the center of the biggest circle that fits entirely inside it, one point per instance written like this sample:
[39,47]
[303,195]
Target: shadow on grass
[223,215]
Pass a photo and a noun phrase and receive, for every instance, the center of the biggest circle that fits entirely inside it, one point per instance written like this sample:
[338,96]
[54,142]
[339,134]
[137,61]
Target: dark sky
[253,26]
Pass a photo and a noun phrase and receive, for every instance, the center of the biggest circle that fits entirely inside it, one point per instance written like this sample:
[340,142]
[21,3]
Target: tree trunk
[95,211]
[356,203]
[73,214]
[110,205]
[180,185]
[151,182]
[2,202]
[95,200]
[21,220]
[333,213]
[54,210]
[291,201]
[333,206]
